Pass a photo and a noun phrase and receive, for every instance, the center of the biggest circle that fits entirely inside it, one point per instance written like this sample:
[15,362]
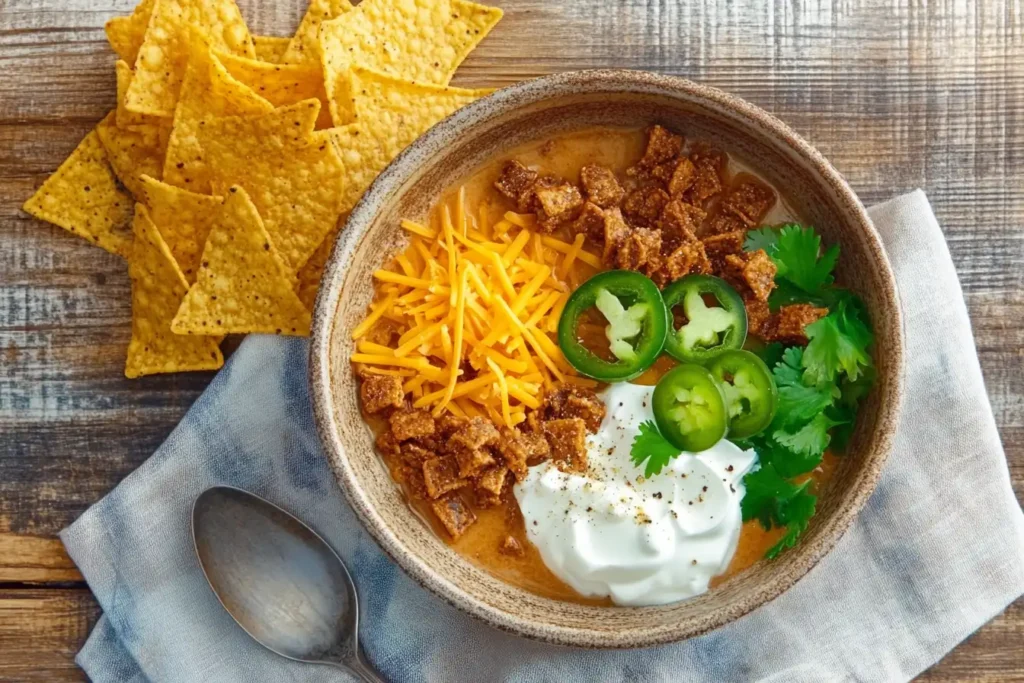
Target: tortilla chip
[391,113]
[134,151]
[164,55]
[84,198]
[308,278]
[413,40]
[281,84]
[208,91]
[305,44]
[126,118]
[242,284]
[270,48]
[157,290]
[400,110]
[184,219]
[293,175]
[125,34]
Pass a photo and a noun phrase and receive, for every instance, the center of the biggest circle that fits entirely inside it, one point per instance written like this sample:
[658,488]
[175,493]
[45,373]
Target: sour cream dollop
[611,532]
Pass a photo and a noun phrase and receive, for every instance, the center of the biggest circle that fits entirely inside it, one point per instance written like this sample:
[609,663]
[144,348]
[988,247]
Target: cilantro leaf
[765,489]
[789,368]
[810,440]
[838,343]
[651,446]
[844,411]
[799,512]
[765,238]
[798,402]
[796,256]
[784,460]
[776,502]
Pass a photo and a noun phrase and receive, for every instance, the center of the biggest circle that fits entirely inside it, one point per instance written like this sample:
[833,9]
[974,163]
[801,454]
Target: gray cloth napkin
[937,552]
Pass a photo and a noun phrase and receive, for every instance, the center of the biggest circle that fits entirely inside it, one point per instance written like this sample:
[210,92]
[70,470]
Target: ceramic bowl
[488,128]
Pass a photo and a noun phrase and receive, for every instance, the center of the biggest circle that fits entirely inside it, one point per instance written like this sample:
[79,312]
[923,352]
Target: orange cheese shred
[469,292]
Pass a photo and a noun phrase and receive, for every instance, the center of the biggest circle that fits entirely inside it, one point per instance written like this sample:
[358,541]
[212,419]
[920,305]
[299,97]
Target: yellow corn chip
[125,34]
[158,288]
[242,284]
[414,40]
[281,84]
[308,277]
[391,113]
[84,198]
[208,91]
[164,55]
[305,44]
[402,111]
[293,175]
[134,151]
[184,219]
[126,118]
[270,48]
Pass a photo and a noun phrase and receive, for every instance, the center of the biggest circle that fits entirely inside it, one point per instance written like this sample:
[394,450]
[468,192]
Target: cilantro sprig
[819,386]
[777,502]
[838,343]
[650,446]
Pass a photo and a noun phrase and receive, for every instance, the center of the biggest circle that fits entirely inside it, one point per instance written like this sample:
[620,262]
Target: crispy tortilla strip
[184,220]
[164,55]
[242,284]
[390,114]
[157,290]
[133,152]
[281,84]
[84,198]
[304,47]
[413,40]
[293,175]
[208,91]
[270,48]
[125,34]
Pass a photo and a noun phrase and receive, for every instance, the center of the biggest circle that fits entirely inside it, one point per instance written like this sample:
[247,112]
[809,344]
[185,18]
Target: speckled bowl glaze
[487,129]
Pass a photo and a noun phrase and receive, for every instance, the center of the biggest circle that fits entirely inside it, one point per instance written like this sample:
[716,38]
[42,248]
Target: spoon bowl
[278,579]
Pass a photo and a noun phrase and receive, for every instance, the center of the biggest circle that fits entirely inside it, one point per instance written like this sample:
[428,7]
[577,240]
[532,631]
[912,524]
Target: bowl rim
[525,93]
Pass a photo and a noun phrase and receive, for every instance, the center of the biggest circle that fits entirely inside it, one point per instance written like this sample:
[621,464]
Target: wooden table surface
[897,94]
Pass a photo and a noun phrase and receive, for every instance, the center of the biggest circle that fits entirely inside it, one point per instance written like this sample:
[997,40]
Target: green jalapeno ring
[690,408]
[709,331]
[750,391]
[629,288]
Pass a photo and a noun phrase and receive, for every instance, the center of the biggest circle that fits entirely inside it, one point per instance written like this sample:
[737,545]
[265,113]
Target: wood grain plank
[30,559]
[41,631]
[898,94]
[992,655]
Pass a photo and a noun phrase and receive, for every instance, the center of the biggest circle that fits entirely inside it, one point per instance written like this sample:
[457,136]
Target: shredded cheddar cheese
[475,301]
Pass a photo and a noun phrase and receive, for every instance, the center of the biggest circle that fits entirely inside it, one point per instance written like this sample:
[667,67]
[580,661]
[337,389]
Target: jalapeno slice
[750,392]
[636,330]
[689,408]
[709,330]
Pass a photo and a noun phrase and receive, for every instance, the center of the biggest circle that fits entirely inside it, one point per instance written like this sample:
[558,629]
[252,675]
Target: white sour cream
[611,532]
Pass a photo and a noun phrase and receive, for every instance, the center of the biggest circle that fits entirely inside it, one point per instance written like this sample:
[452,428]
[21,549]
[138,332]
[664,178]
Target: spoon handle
[362,669]
[356,666]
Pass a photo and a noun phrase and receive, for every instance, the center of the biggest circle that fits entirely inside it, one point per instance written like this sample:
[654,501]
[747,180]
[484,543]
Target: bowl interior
[488,129]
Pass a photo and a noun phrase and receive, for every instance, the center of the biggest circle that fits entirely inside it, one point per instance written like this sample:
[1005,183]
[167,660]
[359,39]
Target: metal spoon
[276,577]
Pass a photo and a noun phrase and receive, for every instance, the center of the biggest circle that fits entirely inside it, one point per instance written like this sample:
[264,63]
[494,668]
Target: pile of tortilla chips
[225,172]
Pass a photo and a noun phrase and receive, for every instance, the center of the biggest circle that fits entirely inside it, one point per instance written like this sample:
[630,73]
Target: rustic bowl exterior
[487,129]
